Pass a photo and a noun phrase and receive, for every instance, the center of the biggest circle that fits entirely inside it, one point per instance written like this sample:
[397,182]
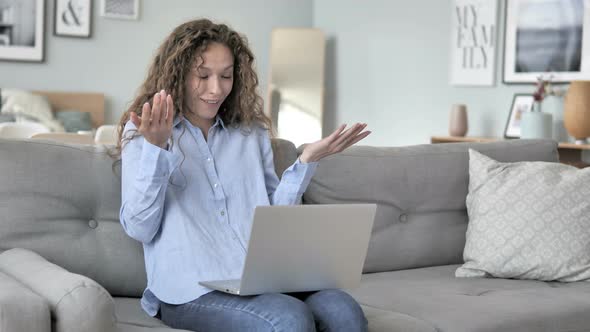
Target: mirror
[296,85]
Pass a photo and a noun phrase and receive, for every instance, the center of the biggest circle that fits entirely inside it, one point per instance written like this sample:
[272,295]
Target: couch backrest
[420,191]
[63,201]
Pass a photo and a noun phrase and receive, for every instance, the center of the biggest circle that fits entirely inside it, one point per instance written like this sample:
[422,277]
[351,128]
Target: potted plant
[536,123]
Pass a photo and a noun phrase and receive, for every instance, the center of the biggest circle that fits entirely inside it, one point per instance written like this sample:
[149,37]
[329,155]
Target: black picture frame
[72,19]
[521,102]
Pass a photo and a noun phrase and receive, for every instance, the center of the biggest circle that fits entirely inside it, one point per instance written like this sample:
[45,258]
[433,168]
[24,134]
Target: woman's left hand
[338,141]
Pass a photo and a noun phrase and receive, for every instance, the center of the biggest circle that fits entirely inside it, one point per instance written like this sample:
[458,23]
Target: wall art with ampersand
[73,18]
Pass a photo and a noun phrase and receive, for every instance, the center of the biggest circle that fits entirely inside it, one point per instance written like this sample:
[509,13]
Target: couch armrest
[21,309]
[77,303]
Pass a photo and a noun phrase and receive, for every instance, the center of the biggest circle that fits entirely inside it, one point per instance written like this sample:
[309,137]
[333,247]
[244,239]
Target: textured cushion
[420,191]
[73,120]
[27,106]
[444,303]
[528,220]
[77,303]
[62,201]
[21,309]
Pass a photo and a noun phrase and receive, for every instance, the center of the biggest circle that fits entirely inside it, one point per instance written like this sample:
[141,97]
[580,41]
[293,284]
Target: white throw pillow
[26,106]
[527,220]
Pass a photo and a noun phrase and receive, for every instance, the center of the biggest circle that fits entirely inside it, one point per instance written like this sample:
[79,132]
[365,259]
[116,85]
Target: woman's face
[210,81]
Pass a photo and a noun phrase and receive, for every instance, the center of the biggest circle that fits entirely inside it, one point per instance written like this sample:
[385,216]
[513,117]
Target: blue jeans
[327,310]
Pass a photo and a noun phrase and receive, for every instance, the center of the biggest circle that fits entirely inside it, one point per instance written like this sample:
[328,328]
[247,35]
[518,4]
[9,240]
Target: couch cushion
[446,303]
[62,201]
[77,303]
[528,220]
[130,317]
[21,309]
[420,191]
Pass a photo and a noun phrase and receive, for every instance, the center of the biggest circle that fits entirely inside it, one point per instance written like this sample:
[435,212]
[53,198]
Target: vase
[576,115]
[536,124]
[554,106]
[458,120]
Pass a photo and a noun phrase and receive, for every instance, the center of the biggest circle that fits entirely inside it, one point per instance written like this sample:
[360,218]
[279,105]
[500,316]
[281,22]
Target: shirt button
[403,217]
[216,185]
[209,159]
[222,213]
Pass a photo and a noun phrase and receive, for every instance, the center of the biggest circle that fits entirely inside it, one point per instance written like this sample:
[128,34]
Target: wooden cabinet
[569,153]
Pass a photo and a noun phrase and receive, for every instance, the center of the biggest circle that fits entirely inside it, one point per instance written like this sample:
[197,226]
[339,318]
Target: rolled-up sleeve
[294,181]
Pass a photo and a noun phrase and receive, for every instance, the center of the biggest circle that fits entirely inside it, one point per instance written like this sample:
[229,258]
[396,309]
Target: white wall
[388,66]
[114,60]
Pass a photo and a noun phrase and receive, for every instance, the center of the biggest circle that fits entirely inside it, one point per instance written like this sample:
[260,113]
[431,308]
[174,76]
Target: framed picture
[474,32]
[520,104]
[22,29]
[121,9]
[547,37]
[72,18]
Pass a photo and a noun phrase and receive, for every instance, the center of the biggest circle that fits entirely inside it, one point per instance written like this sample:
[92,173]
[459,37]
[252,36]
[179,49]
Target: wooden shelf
[569,153]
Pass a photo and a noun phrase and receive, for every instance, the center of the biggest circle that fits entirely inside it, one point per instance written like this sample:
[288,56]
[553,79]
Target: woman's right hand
[155,123]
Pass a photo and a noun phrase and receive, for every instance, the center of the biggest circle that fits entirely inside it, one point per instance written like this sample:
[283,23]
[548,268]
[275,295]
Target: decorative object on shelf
[458,125]
[121,9]
[474,32]
[538,124]
[522,103]
[22,30]
[546,36]
[72,18]
[576,116]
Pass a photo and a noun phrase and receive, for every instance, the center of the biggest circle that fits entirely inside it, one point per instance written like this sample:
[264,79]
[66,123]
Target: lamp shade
[576,110]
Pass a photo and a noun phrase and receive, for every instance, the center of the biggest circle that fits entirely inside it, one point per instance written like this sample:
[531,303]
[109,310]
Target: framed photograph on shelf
[520,104]
[120,9]
[547,37]
[22,26]
[474,32]
[72,18]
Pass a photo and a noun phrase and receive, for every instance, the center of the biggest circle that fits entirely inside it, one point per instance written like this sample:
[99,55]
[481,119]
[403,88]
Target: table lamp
[576,115]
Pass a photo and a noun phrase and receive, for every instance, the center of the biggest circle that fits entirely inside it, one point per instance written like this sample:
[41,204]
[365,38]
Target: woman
[196,161]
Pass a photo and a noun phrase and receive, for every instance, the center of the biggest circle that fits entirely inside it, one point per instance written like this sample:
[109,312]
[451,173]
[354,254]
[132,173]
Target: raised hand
[155,123]
[338,141]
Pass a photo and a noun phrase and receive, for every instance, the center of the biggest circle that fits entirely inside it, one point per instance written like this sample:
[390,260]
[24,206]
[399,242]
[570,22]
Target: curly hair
[175,59]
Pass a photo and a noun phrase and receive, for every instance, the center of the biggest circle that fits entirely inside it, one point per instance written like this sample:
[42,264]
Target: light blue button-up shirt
[192,205]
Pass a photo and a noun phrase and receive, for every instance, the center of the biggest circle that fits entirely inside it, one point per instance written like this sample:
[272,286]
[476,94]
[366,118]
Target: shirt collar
[218,121]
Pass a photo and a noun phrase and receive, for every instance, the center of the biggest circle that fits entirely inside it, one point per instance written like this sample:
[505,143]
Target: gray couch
[62,202]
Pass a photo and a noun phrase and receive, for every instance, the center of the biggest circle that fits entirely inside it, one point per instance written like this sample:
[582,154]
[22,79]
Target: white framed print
[474,33]
[72,18]
[120,9]
[22,27]
[547,38]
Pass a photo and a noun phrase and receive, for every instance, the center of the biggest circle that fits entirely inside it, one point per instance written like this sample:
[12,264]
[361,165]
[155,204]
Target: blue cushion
[73,121]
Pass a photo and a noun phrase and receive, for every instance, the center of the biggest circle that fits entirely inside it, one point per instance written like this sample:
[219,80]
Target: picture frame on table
[22,30]
[72,18]
[546,38]
[120,9]
[521,103]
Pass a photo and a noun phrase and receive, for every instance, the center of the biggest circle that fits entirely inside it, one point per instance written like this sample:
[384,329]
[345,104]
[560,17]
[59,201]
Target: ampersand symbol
[70,16]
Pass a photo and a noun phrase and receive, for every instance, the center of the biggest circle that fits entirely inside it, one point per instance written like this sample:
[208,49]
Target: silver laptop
[303,248]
